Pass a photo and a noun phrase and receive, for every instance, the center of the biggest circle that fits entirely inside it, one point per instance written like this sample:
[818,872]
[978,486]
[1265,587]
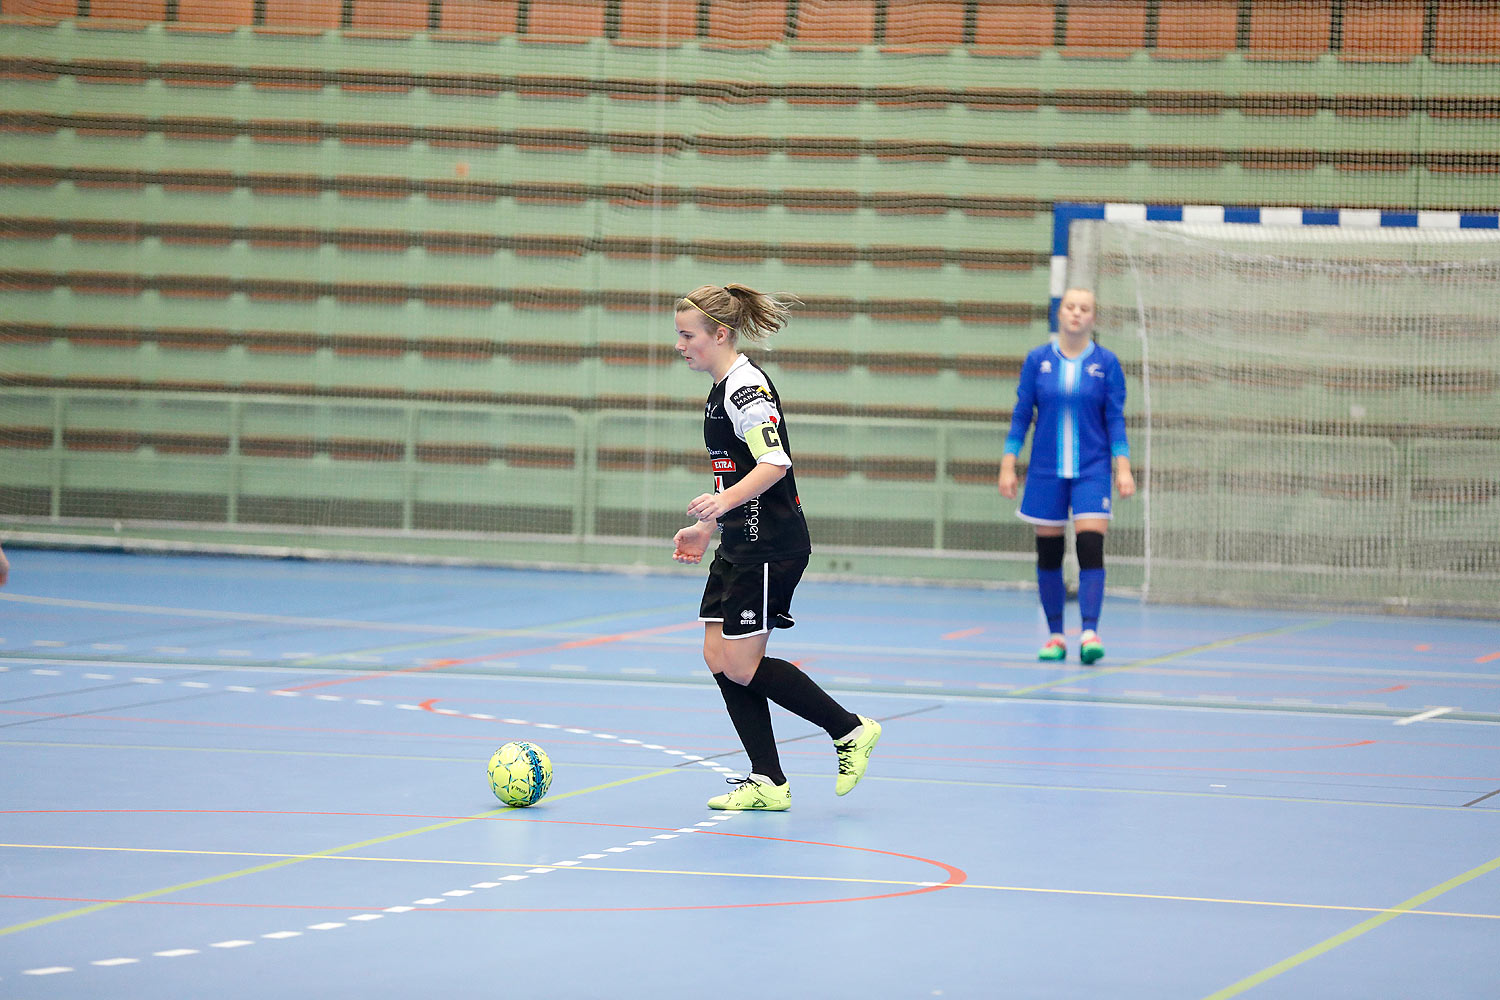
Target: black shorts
[750,598]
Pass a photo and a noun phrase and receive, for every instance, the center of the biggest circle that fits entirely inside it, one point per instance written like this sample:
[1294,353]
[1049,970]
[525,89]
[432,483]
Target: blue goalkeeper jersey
[1079,405]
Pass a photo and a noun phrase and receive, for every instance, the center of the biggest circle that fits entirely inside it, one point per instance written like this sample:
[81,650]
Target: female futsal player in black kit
[763,547]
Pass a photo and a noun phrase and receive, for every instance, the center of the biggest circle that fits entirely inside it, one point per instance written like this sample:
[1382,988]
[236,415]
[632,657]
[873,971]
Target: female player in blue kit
[763,547]
[1075,389]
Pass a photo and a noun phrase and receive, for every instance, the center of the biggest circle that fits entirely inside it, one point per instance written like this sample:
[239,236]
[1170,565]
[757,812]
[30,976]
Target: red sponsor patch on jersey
[723,465]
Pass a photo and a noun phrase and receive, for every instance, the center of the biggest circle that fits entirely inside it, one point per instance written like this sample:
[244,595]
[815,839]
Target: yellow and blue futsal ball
[520,773]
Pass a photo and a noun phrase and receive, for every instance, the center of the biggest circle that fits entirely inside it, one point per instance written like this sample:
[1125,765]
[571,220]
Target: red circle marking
[955,876]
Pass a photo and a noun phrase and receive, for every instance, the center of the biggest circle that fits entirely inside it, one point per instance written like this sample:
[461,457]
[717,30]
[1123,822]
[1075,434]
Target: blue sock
[1090,596]
[1053,592]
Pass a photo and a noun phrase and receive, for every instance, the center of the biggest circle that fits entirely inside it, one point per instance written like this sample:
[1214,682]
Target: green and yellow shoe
[754,792]
[854,755]
[1091,648]
[1056,648]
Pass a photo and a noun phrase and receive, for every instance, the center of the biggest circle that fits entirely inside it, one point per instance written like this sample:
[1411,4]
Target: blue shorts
[1048,499]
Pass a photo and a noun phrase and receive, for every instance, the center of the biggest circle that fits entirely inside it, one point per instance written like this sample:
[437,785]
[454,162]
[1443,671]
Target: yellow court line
[297,859]
[1323,947]
[774,876]
[958,782]
[557,628]
[1153,661]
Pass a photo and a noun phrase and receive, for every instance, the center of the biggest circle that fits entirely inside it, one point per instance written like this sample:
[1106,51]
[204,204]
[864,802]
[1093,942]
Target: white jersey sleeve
[752,409]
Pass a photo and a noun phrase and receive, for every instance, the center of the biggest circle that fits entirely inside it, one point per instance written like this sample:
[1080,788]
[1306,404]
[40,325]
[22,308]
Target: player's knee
[713,656]
[1090,545]
[1049,551]
[740,673]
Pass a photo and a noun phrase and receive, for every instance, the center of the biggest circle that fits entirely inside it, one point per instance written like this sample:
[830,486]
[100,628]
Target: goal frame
[1065,213]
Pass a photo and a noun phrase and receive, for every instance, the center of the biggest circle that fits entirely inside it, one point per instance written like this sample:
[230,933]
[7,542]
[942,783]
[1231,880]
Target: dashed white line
[428,901]
[1431,713]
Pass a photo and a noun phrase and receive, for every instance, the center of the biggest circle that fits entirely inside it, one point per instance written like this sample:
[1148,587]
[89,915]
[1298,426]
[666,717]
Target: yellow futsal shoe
[755,792]
[854,755]
[1091,648]
[1056,648]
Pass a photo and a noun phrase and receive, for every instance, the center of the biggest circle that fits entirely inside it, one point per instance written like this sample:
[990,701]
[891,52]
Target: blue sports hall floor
[237,778]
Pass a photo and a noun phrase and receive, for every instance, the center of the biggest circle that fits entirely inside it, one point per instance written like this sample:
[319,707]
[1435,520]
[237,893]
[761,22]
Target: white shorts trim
[1106,516]
[720,622]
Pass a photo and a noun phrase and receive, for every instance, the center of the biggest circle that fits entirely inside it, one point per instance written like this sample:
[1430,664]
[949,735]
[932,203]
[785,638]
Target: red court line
[955,876]
[1212,768]
[1487,657]
[1115,750]
[440,664]
[964,633]
[327,730]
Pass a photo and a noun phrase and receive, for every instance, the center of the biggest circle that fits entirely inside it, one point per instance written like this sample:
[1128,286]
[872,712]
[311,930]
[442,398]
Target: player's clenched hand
[707,507]
[1008,483]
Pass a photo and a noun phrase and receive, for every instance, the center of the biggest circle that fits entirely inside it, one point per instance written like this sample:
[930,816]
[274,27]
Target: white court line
[1431,713]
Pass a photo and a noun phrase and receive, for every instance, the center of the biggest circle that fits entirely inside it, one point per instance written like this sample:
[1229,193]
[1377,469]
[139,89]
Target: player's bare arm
[1124,478]
[711,506]
[689,544]
[1008,479]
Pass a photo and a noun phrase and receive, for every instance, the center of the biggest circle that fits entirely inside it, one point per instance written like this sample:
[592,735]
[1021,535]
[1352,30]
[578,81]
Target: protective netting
[1319,410]
[394,276]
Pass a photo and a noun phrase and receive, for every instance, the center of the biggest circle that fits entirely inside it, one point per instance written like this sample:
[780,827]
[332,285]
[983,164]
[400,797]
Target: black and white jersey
[742,426]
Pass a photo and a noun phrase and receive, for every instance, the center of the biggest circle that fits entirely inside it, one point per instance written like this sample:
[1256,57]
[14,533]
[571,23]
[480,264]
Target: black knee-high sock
[751,716]
[799,694]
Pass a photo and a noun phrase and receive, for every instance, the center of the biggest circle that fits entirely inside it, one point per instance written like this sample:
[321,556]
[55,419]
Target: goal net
[1318,420]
